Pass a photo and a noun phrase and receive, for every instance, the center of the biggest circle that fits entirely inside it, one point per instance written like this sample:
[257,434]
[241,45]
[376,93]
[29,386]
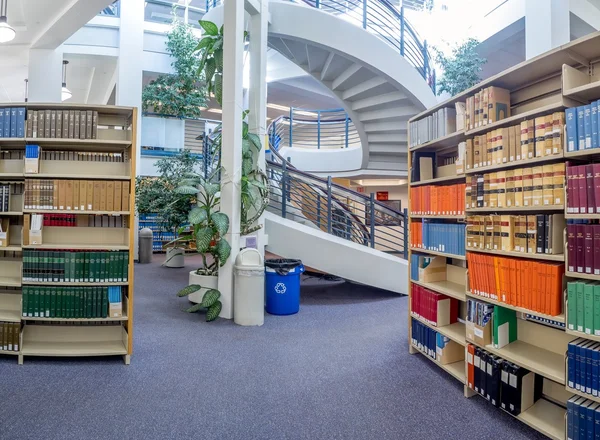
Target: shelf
[543,362]
[438,180]
[516,164]
[582,394]
[108,247]
[557,318]
[550,257]
[582,216]
[45,340]
[450,140]
[76,176]
[519,209]
[586,92]
[513,120]
[74,284]
[586,276]
[10,307]
[10,281]
[545,417]
[456,369]
[15,353]
[445,287]
[92,143]
[441,254]
[64,211]
[439,217]
[11,213]
[12,141]
[455,331]
[582,153]
[108,319]
[582,335]
[101,109]
[11,249]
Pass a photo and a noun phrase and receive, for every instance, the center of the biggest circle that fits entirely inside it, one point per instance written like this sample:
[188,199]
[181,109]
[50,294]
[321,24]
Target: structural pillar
[45,75]
[257,118]
[547,25]
[231,146]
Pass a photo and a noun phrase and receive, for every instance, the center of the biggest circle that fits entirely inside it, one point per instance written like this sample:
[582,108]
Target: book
[571,122]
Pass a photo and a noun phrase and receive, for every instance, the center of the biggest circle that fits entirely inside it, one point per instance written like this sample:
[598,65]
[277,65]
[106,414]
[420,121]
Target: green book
[112,276]
[572,305]
[104,268]
[24,301]
[67,266]
[79,266]
[88,304]
[61,266]
[104,293]
[86,267]
[73,266]
[504,328]
[92,269]
[60,303]
[588,308]
[125,257]
[580,308]
[67,301]
[36,302]
[53,303]
[95,303]
[36,265]
[56,265]
[47,266]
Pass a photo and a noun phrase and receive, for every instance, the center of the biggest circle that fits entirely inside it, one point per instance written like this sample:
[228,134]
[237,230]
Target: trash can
[145,246]
[282,286]
[249,288]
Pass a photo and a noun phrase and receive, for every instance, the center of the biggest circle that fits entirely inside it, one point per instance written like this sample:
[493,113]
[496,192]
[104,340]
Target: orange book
[557,274]
[491,281]
[535,286]
[519,271]
[527,294]
[497,262]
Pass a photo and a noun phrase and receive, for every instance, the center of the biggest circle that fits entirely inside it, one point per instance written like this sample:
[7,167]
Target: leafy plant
[210,301]
[156,195]
[180,94]
[461,69]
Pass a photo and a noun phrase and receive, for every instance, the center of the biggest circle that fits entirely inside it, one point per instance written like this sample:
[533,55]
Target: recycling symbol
[280,288]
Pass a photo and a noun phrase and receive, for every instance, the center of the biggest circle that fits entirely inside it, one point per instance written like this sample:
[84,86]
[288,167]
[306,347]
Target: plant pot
[174,257]
[207,282]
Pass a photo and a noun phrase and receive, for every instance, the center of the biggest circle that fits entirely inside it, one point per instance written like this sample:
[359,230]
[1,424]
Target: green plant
[180,94]
[461,69]
[156,195]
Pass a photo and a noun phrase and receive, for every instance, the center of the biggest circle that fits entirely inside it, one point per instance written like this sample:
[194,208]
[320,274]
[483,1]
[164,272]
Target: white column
[45,75]
[547,25]
[231,148]
[257,118]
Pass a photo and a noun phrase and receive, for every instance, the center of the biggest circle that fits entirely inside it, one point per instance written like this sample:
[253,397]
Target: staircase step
[375,147]
[379,101]
[383,127]
[345,76]
[402,114]
[363,87]
[392,138]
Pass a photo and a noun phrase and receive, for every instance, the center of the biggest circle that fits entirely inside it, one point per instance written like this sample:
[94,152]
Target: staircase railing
[385,21]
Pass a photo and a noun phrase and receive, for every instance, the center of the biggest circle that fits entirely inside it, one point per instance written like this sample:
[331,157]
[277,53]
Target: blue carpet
[340,369]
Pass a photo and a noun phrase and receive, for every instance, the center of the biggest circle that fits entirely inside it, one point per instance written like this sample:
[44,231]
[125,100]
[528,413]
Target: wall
[343,159]
[397,192]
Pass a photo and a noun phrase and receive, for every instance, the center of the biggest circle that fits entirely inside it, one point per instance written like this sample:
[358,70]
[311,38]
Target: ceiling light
[64,92]
[7,33]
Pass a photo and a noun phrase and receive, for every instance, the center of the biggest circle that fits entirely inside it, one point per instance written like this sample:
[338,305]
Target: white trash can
[249,288]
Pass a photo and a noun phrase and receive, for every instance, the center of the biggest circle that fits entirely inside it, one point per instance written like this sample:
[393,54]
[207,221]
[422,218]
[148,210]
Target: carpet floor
[339,369]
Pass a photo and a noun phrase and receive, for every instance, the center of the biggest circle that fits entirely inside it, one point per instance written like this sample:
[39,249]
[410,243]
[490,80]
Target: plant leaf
[255,140]
[246,145]
[213,311]
[221,222]
[184,189]
[209,69]
[244,128]
[221,30]
[197,215]
[211,188]
[189,289]
[194,308]
[219,88]
[219,59]
[203,238]
[204,43]
[210,297]
[223,251]
[246,165]
[209,27]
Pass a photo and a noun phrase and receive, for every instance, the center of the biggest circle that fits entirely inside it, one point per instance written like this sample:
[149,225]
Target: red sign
[382,196]
[360,189]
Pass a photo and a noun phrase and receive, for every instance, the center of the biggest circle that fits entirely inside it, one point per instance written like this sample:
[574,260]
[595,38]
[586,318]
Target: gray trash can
[249,288]
[145,246]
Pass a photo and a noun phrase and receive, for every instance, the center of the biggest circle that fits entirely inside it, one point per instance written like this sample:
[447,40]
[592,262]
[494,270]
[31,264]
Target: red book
[589,249]
[571,200]
[590,190]
[581,187]
[596,232]
[579,248]
[596,170]
[571,248]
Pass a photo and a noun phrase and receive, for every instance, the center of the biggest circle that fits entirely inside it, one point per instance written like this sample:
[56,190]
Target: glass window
[111,10]
[160,11]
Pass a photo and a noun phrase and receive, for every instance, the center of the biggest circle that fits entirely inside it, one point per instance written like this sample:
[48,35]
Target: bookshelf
[547,85]
[104,154]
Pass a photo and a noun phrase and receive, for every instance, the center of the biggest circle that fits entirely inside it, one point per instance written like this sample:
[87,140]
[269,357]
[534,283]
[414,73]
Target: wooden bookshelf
[548,257]
[585,276]
[440,217]
[447,288]
[441,254]
[69,337]
[546,208]
[447,179]
[444,141]
[557,318]
[516,164]
[455,331]
[455,369]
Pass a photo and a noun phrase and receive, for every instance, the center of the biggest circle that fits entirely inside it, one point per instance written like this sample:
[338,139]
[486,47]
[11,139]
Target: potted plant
[156,195]
[208,233]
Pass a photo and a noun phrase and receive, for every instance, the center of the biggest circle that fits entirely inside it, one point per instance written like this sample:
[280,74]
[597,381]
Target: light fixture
[64,92]
[7,33]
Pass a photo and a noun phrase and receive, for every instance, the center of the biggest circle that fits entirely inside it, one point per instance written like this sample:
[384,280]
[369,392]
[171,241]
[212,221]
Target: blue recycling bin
[282,286]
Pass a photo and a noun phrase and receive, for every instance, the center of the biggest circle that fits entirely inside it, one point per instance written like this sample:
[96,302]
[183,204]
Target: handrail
[385,21]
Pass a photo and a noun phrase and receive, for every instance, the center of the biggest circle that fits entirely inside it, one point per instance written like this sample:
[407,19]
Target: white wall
[396,192]
[343,159]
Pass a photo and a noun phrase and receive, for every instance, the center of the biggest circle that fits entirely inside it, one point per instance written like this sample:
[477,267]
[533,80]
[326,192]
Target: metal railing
[384,20]
[161,11]
[313,129]
[112,10]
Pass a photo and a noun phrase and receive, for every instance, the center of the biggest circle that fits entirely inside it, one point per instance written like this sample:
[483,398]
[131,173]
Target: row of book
[10,333]
[536,186]
[583,247]
[439,237]
[4,197]
[583,366]
[75,266]
[489,324]
[436,125]
[530,284]
[77,195]
[487,106]
[70,302]
[82,156]
[12,122]
[583,188]
[583,419]
[504,384]
[582,127]
[532,234]
[69,220]
[438,200]
[77,220]
[539,137]
[583,307]
[435,308]
[65,124]
[435,345]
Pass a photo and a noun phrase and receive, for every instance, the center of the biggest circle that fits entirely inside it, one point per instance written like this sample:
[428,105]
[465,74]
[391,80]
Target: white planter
[207,282]
[174,257]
